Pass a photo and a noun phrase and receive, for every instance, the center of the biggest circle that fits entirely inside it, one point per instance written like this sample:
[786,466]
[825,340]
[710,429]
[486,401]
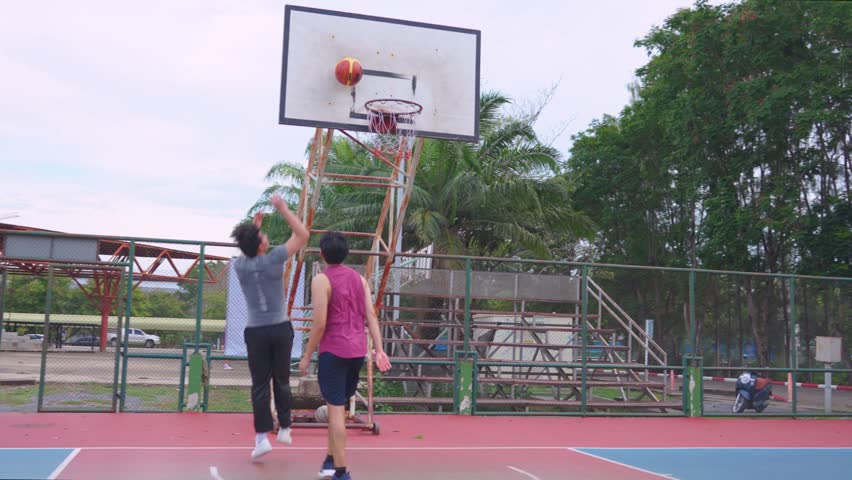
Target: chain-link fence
[177,301]
[823,309]
[55,316]
[543,337]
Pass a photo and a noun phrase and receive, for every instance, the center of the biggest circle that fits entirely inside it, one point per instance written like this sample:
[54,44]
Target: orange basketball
[348,71]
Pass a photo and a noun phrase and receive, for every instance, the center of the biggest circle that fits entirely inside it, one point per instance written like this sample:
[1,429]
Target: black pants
[269,349]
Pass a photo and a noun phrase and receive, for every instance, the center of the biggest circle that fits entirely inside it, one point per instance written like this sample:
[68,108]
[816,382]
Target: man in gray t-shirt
[262,281]
[268,335]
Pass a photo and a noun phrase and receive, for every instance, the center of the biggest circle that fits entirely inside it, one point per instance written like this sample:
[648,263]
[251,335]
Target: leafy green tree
[734,154]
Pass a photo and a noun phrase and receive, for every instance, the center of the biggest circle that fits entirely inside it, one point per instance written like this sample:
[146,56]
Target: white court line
[528,474]
[64,464]
[561,447]
[313,448]
[661,475]
[716,448]
[214,472]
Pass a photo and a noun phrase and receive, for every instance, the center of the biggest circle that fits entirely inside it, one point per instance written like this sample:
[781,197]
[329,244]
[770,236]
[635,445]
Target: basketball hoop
[394,123]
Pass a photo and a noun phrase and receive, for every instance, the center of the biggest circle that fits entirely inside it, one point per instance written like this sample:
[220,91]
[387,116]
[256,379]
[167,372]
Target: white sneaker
[262,449]
[327,470]
[284,436]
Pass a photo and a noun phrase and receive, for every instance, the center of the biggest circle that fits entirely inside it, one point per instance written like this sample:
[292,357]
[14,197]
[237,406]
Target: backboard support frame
[434,67]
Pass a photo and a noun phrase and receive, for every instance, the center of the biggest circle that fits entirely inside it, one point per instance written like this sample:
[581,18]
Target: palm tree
[335,200]
[503,194]
[477,198]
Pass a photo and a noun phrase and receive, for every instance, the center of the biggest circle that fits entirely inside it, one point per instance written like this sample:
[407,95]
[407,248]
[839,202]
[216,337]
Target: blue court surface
[34,463]
[673,463]
[733,463]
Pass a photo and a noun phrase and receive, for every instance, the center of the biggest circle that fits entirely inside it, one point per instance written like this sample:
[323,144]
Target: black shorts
[338,377]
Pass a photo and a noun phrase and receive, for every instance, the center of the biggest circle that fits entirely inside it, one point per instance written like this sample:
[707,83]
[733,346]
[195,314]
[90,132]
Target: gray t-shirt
[262,281]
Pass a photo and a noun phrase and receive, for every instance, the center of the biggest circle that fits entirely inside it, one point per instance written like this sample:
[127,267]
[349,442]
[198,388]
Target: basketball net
[394,125]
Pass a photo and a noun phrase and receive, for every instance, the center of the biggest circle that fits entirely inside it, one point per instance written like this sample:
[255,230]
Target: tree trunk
[716,341]
[838,328]
[758,322]
[687,332]
[659,310]
[826,314]
[740,332]
[763,326]
[789,344]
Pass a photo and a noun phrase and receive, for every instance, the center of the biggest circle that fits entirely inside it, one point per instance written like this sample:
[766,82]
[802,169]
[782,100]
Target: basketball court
[217,446]
[402,81]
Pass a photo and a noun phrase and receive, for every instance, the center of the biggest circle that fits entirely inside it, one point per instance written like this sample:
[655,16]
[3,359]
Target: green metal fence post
[464,378]
[207,382]
[700,387]
[122,336]
[197,363]
[46,339]
[194,394]
[117,363]
[464,398]
[692,327]
[182,385]
[199,298]
[584,330]
[694,387]
[793,340]
[3,274]
[467,301]
[684,387]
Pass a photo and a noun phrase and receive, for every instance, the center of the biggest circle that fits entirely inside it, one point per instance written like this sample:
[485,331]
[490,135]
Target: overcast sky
[160,118]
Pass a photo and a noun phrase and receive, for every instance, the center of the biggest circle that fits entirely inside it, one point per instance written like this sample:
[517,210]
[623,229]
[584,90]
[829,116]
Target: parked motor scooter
[752,392]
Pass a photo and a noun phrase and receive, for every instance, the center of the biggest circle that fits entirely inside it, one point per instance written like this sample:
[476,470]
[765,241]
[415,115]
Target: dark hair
[334,247]
[247,236]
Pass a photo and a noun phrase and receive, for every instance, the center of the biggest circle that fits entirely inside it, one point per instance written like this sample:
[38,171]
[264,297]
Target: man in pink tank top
[342,304]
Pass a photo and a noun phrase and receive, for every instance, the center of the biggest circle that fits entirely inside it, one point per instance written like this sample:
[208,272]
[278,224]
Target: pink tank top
[345,328]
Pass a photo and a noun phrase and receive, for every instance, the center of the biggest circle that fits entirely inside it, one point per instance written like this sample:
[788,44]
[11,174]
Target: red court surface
[420,447]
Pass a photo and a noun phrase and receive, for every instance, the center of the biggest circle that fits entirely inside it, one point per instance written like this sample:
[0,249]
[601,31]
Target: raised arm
[320,293]
[300,234]
[382,360]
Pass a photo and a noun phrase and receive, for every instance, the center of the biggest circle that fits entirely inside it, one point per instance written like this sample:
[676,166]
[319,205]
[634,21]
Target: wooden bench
[478,343]
[494,326]
[460,311]
[529,402]
[413,400]
[523,381]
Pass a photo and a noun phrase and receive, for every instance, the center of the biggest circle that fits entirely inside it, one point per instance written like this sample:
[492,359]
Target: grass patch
[228,399]
[154,394]
[88,402]
[17,395]
[58,395]
[385,388]
[139,397]
[76,388]
[607,393]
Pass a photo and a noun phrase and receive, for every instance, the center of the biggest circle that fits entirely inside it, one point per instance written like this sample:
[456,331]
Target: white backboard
[433,65]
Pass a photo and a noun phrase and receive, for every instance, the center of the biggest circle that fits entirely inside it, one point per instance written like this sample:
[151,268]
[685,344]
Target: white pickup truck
[134,337]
